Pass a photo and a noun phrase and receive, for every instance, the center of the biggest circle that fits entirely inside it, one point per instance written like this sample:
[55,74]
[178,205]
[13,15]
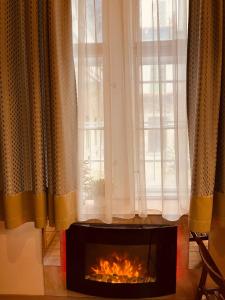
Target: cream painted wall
[21,269]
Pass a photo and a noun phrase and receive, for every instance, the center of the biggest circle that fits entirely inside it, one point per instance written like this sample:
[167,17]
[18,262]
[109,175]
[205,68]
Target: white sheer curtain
[130,58]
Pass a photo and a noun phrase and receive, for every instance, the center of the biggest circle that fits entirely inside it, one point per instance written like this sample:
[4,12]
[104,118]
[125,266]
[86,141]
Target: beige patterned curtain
[206,111]
[37,113]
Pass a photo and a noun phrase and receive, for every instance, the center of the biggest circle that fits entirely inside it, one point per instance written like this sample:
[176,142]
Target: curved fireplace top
[122,226]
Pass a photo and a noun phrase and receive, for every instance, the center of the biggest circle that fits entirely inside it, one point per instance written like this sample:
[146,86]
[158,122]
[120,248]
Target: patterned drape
[37,113]
[206,111]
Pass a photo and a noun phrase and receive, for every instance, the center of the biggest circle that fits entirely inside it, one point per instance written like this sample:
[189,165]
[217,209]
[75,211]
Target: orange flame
[118,266]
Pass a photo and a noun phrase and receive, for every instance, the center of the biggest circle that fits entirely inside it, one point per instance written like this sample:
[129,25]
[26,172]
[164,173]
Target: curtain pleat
[37,114]
[205,99]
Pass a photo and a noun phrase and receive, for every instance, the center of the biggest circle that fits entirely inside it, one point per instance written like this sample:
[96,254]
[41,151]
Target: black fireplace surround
[121,261]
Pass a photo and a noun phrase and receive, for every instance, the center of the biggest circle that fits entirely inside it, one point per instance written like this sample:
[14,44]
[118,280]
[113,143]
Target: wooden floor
[186,288]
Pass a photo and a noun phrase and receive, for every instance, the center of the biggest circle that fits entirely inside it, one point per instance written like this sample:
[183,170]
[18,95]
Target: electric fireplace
[125,261]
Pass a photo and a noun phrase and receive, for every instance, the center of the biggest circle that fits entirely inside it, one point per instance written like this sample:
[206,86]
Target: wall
[21,269]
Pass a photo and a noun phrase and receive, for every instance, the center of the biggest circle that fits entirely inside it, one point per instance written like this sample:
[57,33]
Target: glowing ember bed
[125,261]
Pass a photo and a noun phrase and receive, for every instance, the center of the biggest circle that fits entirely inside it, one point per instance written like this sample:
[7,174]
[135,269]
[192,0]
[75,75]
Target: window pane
[151,111]
[153,178]
[152,144]
[166,72]
[169,170]
[156,19]
[149,73]
[168,144]
[167,104]
[90,25]
[94,21]
[93,144]
[94,115]
[151,88]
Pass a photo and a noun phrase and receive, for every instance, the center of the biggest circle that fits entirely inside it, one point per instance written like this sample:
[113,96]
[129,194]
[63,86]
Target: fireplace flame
[117,268]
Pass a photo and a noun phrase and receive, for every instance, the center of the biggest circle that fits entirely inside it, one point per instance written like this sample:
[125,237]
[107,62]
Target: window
[131,52]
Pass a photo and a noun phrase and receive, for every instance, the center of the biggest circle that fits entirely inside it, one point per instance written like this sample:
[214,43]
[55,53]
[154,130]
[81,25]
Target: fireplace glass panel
[120,263]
